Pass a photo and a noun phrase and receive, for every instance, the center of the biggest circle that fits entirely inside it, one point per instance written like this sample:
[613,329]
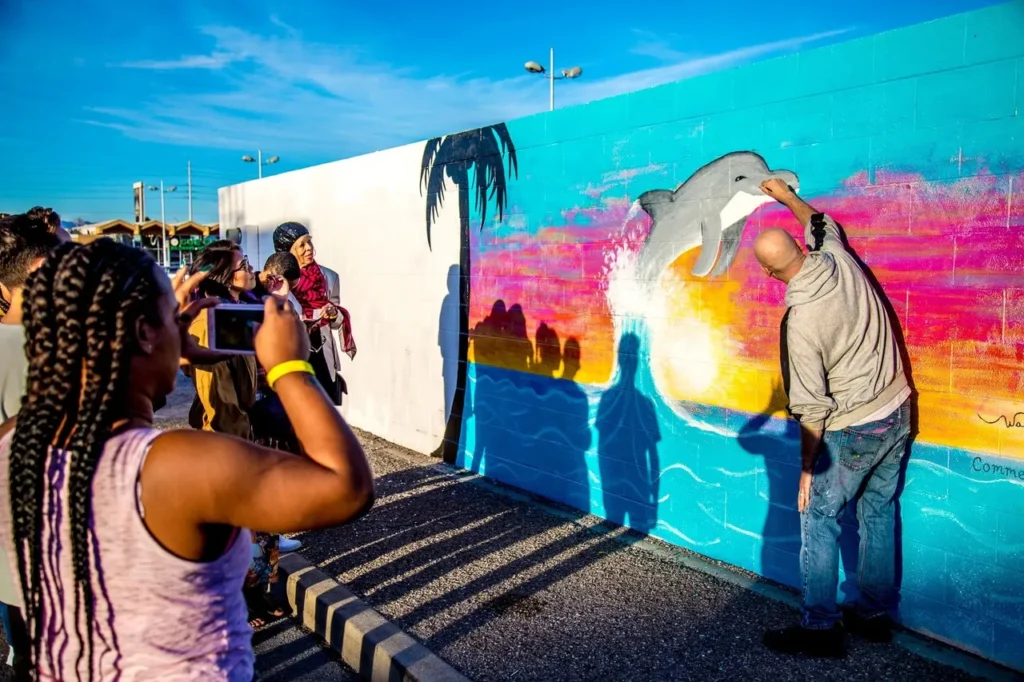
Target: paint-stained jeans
[859,458]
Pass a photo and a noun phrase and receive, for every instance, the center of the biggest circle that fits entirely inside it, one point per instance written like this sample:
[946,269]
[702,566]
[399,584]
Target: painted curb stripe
[370,644]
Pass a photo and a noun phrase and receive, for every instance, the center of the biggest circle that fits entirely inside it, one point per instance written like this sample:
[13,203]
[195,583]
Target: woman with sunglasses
[225,393]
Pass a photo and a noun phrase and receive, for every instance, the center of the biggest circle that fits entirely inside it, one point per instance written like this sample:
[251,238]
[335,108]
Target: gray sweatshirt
[840,362]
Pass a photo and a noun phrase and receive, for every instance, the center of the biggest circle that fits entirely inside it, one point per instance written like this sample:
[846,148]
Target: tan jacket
[224,392]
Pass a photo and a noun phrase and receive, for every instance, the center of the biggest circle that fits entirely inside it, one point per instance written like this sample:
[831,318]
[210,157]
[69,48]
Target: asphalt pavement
[507,588]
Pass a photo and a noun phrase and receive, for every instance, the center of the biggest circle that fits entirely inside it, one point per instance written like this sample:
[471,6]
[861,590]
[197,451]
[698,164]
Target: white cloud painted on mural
[325,99]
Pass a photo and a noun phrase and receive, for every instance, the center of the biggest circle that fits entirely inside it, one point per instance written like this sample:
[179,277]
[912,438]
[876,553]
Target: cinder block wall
[604,373]
[912,140]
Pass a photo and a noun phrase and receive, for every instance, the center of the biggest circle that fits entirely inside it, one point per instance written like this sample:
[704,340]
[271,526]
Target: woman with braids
[225,394]
[130,543]
[318,292]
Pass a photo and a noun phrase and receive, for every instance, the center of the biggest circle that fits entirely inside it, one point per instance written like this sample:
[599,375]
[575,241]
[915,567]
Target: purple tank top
[172,619]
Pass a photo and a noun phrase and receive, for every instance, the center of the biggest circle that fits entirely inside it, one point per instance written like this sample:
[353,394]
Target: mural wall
[623,342]
[569,302]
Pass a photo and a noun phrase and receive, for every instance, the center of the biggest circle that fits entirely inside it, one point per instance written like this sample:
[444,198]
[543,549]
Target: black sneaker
[877,629]
[830,643]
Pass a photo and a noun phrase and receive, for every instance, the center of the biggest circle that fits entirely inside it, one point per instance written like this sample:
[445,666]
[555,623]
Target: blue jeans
[860,460]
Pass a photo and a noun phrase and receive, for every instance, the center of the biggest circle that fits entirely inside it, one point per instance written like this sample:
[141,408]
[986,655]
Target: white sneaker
[286,545]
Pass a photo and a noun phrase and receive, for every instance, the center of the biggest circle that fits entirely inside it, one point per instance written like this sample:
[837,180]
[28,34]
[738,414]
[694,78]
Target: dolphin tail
[710,240]
[730,245]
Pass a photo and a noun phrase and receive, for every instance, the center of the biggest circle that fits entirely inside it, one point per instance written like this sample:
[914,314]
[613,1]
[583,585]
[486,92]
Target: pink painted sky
[950,257]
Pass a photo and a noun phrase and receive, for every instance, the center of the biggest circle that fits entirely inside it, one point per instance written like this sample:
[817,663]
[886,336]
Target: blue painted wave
[623,453]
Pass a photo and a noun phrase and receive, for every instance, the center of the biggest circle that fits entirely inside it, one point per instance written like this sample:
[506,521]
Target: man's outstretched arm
[820,231]
[777,189]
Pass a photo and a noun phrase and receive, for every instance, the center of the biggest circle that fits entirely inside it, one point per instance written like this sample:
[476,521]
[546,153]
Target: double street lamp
[570,73]
[260,162]
[163,220]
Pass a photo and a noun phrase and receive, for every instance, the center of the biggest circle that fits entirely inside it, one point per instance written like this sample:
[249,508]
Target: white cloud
[295,97]
[217,60]
[650,44]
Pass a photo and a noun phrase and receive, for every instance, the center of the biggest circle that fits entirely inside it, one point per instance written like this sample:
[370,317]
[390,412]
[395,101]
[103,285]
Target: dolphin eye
[740,177]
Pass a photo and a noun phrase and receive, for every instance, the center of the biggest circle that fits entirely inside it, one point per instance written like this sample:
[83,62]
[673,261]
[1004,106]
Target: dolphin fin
[655,201]
[730,245]
[710,239]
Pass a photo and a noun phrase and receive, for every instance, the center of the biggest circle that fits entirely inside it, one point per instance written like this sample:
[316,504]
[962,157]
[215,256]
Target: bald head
[777,251]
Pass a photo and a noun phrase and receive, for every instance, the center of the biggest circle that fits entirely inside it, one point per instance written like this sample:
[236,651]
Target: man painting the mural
[846,385]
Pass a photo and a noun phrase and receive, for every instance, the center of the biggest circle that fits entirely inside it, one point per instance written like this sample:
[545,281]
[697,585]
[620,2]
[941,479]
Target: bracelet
[290,367]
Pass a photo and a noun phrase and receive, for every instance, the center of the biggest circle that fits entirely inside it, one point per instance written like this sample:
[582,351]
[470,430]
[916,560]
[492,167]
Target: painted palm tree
[474,161]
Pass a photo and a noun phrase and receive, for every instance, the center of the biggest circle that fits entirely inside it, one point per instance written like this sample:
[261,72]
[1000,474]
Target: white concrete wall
[367,219]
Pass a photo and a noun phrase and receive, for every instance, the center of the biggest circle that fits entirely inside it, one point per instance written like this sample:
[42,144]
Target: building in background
[183,239]
[139,192]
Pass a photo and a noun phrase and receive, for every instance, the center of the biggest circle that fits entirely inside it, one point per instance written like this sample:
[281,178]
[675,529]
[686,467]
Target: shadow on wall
[448,339]
[780,449]
[527,420]
[627,447]
[850,554]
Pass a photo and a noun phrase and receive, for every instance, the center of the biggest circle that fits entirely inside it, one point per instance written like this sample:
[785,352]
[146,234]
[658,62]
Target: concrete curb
[371,645]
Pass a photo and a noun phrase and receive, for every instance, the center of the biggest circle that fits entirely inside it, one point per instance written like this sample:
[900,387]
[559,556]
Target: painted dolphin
[709,210]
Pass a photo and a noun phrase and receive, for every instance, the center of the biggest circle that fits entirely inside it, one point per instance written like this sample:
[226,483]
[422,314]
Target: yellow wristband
[290,367]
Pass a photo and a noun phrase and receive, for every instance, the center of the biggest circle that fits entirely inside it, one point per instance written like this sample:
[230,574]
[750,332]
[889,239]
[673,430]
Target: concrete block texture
[588,321]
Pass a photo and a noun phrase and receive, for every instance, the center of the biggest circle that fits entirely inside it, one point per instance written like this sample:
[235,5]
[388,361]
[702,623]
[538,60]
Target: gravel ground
[284,653]
[505,590]
[287,653]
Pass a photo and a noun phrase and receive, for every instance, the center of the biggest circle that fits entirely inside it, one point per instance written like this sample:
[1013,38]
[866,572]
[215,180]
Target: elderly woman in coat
[318,293]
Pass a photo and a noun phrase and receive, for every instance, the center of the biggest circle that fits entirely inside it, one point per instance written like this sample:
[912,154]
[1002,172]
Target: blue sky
[100,94]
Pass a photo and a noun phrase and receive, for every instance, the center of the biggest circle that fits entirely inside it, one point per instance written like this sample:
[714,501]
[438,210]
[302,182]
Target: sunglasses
[244,265]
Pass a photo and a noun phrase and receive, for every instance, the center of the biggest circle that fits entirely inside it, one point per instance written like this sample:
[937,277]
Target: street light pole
[163,223]
[551,82]
[163,219]
[260,162]
[535,67]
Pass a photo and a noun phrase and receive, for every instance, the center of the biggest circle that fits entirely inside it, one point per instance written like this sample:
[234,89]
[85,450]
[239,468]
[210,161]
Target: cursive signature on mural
[1013,422]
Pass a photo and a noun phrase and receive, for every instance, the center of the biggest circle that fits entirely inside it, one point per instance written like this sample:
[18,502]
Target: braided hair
[80,310]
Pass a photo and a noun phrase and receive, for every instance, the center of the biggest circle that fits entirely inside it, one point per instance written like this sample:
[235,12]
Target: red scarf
[311,293]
